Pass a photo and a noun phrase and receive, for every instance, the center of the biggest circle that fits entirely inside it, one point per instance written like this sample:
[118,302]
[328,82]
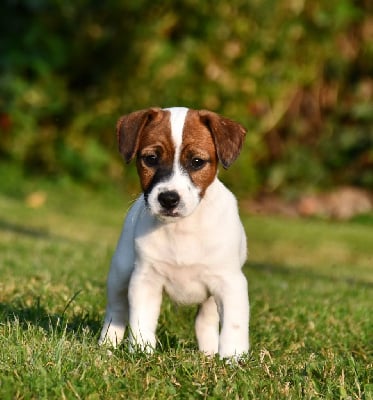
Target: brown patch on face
[130,128]
[198,154]
[228,136]
[146,134]
[155,152]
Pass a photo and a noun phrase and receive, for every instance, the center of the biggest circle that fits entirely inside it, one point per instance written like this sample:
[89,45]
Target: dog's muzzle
[169,200]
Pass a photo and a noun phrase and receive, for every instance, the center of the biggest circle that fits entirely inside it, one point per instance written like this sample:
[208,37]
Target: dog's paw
[142,347]
[111,335]
[236,359]
[234,355]
[142,342]
[146,348]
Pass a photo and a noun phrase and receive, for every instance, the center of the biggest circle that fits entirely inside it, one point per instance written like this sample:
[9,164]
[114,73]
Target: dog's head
[177,152]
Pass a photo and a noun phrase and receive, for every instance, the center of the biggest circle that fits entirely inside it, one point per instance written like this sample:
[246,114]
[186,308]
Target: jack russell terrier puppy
[183,234]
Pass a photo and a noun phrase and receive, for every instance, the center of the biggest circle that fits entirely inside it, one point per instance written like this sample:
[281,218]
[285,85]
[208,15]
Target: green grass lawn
[311,294]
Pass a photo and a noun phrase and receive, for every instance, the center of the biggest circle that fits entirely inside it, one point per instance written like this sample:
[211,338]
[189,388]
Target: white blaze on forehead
[179,179]
[178,115]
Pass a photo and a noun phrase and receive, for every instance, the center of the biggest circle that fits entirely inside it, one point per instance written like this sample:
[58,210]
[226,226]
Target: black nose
[169,199]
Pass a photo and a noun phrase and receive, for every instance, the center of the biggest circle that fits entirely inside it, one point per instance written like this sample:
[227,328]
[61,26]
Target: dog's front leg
[145,298]
[233,306]
[116,316]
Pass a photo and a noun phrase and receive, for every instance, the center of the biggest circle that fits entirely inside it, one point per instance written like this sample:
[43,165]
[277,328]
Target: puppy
[183,234]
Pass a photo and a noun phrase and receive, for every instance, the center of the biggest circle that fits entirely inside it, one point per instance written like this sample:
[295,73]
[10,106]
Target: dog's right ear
[129,128]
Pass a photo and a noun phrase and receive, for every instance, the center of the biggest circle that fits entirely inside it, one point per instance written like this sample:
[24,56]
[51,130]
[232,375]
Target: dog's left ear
[228,136]
[129,128]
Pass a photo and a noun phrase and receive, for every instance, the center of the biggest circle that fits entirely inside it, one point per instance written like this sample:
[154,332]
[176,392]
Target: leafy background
[297,73]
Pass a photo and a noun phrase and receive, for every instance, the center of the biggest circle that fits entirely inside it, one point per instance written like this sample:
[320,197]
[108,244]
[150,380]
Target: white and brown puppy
[183,234]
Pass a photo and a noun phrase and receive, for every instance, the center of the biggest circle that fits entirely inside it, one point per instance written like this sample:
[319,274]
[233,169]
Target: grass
[311,307]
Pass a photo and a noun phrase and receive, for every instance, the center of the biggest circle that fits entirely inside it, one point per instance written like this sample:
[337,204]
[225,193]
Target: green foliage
[299,71]
[310,288]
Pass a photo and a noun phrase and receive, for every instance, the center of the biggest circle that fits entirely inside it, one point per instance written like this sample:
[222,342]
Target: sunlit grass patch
[311,295]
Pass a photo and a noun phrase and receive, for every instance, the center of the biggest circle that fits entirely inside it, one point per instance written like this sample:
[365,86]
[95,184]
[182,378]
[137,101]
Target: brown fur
[206,135]
[228,136]
[130,128]
[156,139]
[198,143]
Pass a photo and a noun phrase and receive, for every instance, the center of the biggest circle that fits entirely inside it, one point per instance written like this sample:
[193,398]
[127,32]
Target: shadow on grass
[33,232]
[167,340]
[297,273]
[37,315]
[37,233]
[80,326]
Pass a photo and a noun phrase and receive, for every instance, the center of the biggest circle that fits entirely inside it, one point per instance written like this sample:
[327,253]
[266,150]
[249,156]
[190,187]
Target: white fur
[179,181]
[196,258]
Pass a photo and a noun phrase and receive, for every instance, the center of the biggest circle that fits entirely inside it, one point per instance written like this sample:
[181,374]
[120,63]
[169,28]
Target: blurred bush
[297,73]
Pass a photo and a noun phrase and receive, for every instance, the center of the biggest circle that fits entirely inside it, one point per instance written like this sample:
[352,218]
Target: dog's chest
[181,245]
[183,260]
[180,265]
[185,285]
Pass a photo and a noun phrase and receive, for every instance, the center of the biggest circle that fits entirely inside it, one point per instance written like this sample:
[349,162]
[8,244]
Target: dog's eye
[150,160]
[197,163]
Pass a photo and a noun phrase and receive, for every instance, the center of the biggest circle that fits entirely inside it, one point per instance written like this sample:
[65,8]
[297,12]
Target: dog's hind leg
[233,306]
[207,327]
